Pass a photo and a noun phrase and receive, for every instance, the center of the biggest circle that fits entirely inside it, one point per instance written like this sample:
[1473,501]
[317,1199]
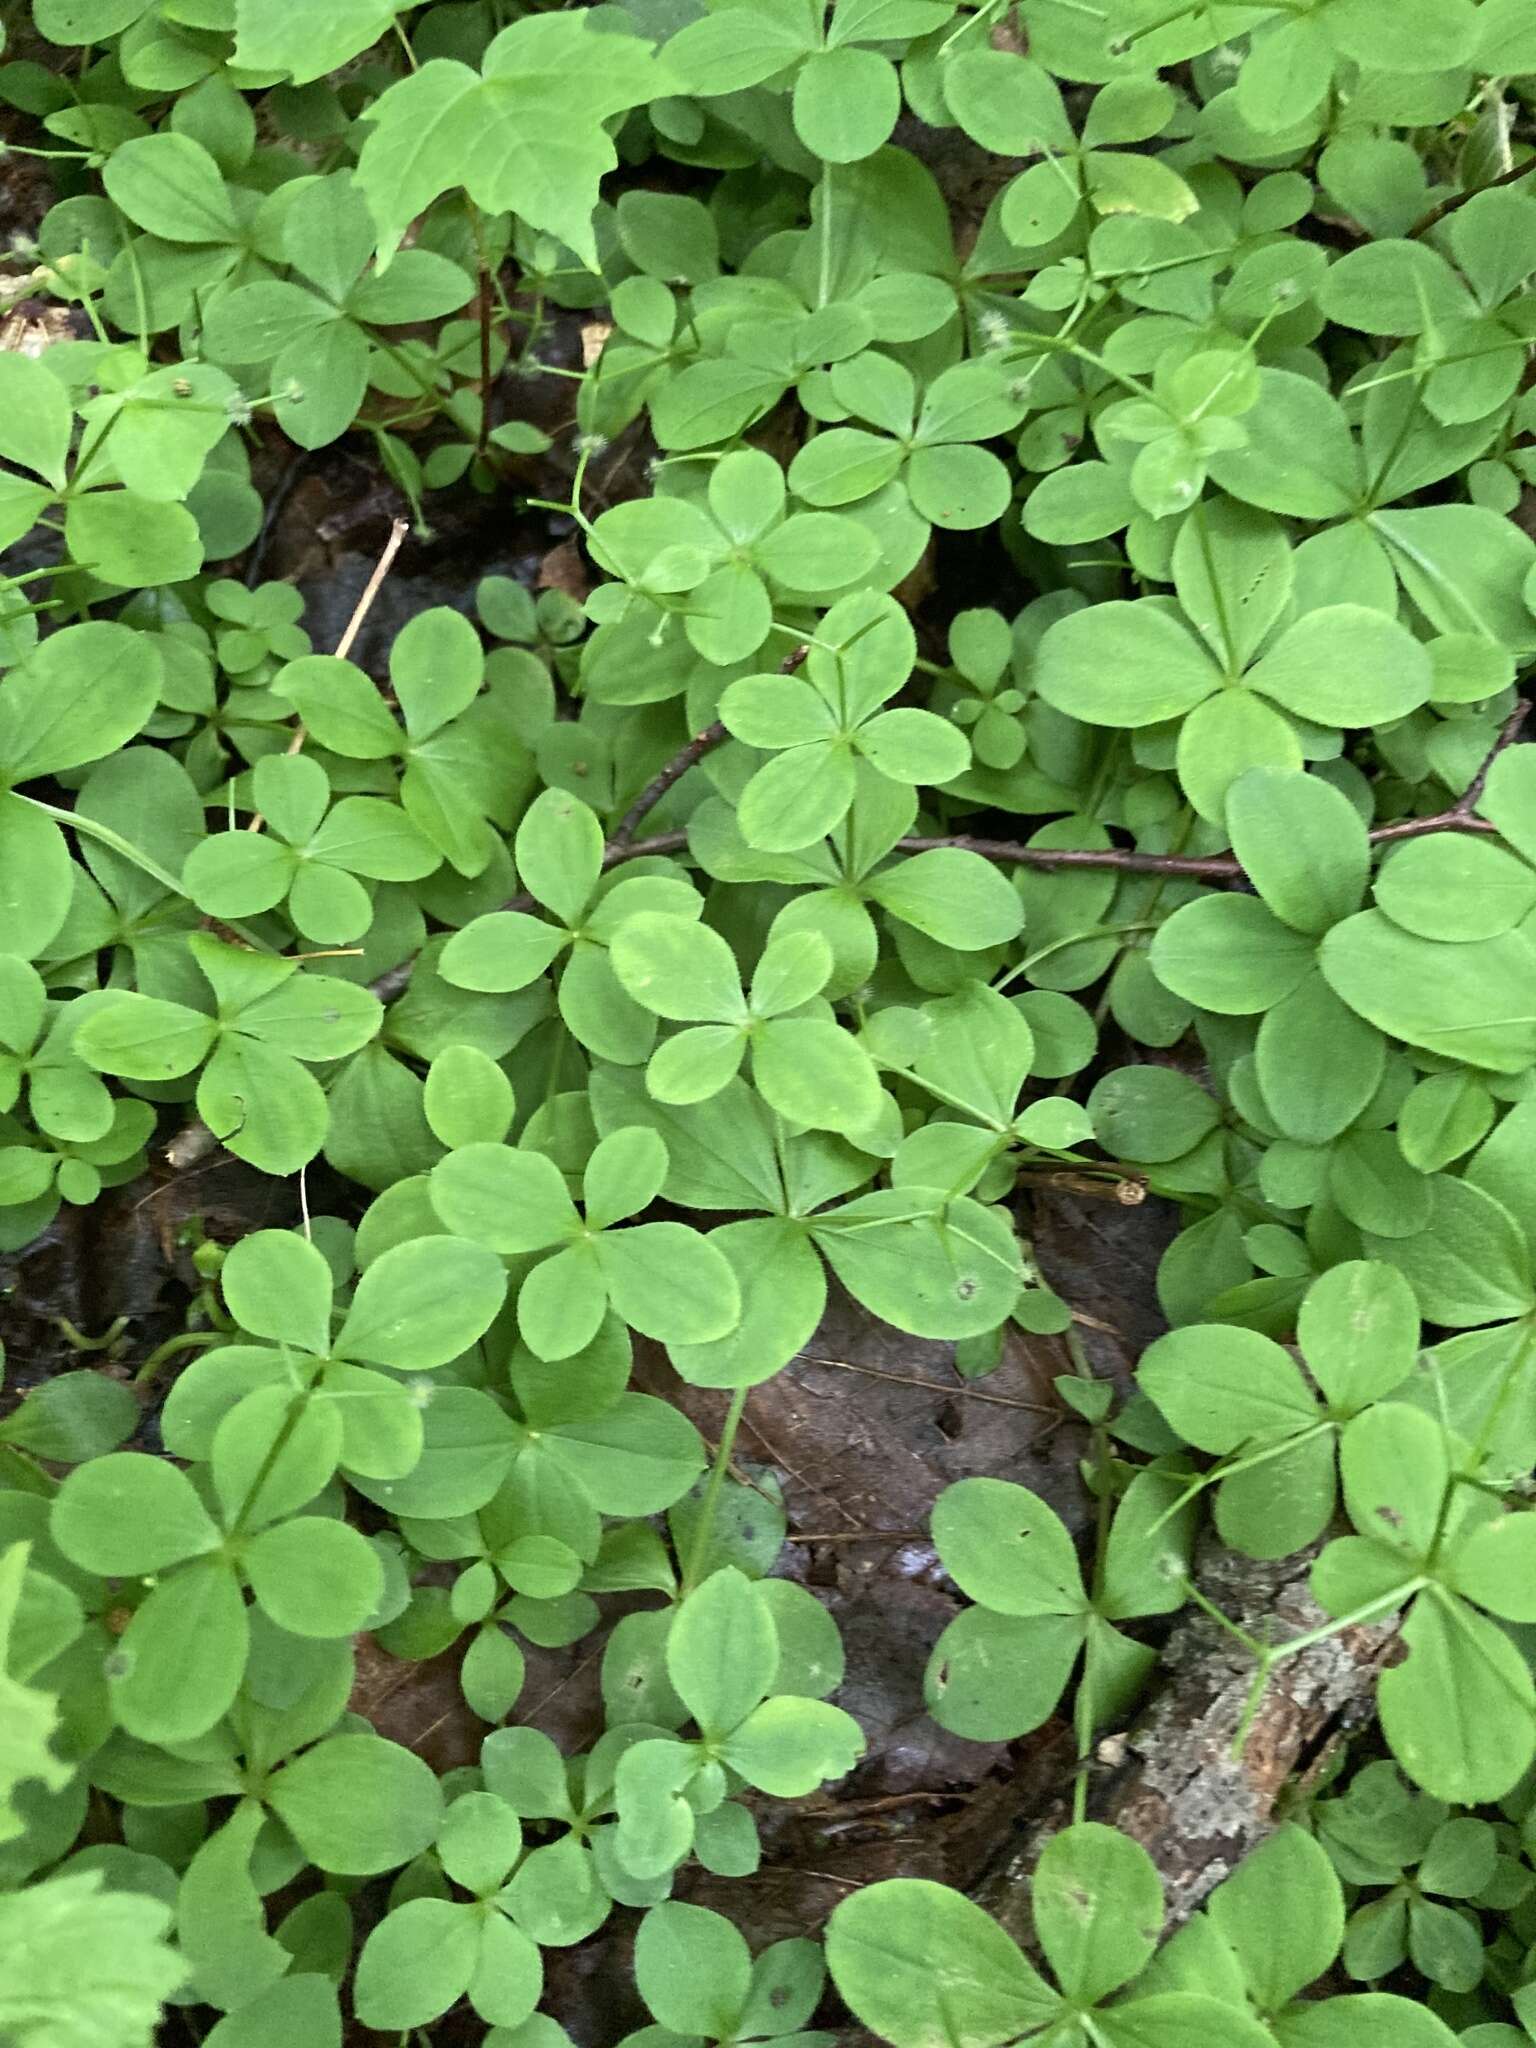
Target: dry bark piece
[1172,1782]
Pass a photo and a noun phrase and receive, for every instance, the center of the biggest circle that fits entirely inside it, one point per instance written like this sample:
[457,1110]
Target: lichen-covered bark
[1172,1781]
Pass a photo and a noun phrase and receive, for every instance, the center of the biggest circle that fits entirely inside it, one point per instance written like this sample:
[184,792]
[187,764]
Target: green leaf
[797,798]
[466,1095]
[1451,887]
[1372,2019]
[1123,665]
[170,186]
[36,418]
[559,850]
[1501,1167]
[845,103]
[738,46]
[788,1747]
[128,1514]
[301,2010]
[1098,1909]
[678,969]
[1318,1064]
[1395,1469]
[1288,70]
[1458,1711]
[1373,669]
[1282,1911]
[286,36]
[693,1969]
[423,1303]
[1392,287]
[1232,955]
[1005,1548]
[132,541]
[502,951]
[1009,104]
[1494,1568]
[525,138]
[1470,1263]
[88,1964]
[183,1655]
[637,1458]
[511,1200]
[1358,1326]
[722,1651]
[838,467]
[1282,1500]
[959,487]
[417,1962]
[669,1283]
[358,1804]
[1223,739]
[623,1176]
[783,1291]
[1464,567]
[561,1304]
[1221,1387]
[277,1285]
[1150,1113]
[315,1577]
[1300,458]
[1179,2019]
[83,693]
[816,1074]
[954,1275]
[262,1105]
[340,706]
[655,1828]
[917,1963]
[1443,1117]
[1471,1003]
[913,746]
[73,1417]
[1302,844]
[271,1453]
[36,876]
[1509,798]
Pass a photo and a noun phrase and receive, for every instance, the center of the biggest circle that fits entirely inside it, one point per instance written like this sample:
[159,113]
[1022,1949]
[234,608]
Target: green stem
[78,1341]
[1373,1610]
[699,1549]
[189,1340]
[268,1465]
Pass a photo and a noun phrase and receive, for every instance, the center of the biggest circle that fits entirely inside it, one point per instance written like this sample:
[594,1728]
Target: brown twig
[1217,867]
[960,1389]
[397,532]
[701,744]
[1509,732]
[1436,214]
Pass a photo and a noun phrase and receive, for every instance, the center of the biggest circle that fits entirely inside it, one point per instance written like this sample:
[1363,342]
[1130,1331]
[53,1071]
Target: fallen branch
[1172,1782]
[1222,867]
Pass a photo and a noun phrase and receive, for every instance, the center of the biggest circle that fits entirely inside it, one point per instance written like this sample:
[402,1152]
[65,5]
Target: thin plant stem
[698,1551]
